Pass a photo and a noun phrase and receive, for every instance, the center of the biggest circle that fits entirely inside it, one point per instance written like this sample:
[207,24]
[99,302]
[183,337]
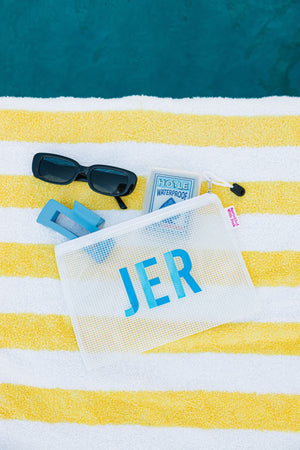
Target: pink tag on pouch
[233,216]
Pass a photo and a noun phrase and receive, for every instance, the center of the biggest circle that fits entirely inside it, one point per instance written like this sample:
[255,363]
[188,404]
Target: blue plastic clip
[81,215]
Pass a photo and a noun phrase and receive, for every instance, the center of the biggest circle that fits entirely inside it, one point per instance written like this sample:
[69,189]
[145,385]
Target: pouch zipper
[211,178]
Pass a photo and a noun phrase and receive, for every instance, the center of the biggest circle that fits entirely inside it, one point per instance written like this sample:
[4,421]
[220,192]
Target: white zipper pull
[211,178]
[209,185]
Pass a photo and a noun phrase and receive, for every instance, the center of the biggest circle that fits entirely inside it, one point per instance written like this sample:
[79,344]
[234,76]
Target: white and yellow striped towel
[236,386]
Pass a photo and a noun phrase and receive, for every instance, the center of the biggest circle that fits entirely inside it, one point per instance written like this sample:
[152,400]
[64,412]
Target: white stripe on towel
[235,164]
[274,106]
[24,227]
[27,435]
[256,231]
[44,296]
[155,372]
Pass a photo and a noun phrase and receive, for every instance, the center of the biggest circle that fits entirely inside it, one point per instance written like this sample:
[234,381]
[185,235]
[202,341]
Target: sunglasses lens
[109,181]
[56,170]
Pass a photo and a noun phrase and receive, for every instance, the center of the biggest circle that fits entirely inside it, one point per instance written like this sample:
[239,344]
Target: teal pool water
[167,48]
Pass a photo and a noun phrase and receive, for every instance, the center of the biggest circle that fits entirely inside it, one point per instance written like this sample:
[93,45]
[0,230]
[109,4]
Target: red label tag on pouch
[233,217]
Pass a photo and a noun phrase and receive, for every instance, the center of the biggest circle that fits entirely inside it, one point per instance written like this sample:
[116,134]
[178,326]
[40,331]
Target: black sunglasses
[106,180]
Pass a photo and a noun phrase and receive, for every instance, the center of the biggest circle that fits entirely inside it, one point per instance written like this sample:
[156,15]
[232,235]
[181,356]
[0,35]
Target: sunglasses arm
[121,203]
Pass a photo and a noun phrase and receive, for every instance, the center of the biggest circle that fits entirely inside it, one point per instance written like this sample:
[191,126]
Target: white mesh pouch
[154,279]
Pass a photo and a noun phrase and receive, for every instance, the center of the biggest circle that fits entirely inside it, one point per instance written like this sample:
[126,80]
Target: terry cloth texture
[236,386]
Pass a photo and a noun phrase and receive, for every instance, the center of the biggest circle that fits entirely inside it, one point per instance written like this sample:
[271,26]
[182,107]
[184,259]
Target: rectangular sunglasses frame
[82,173]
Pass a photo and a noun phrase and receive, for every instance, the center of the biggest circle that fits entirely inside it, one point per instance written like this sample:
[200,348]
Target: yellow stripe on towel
[54,332]
[202,409]
[149,126]
[23,191]
[273,268]
[38,260]
[27,260]
[37,332]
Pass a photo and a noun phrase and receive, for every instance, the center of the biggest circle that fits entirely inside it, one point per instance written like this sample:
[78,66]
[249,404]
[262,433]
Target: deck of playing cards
[166,187]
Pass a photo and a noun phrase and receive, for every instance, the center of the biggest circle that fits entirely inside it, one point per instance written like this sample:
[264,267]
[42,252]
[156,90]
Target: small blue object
[81,215]
[101,250]
[168,202]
